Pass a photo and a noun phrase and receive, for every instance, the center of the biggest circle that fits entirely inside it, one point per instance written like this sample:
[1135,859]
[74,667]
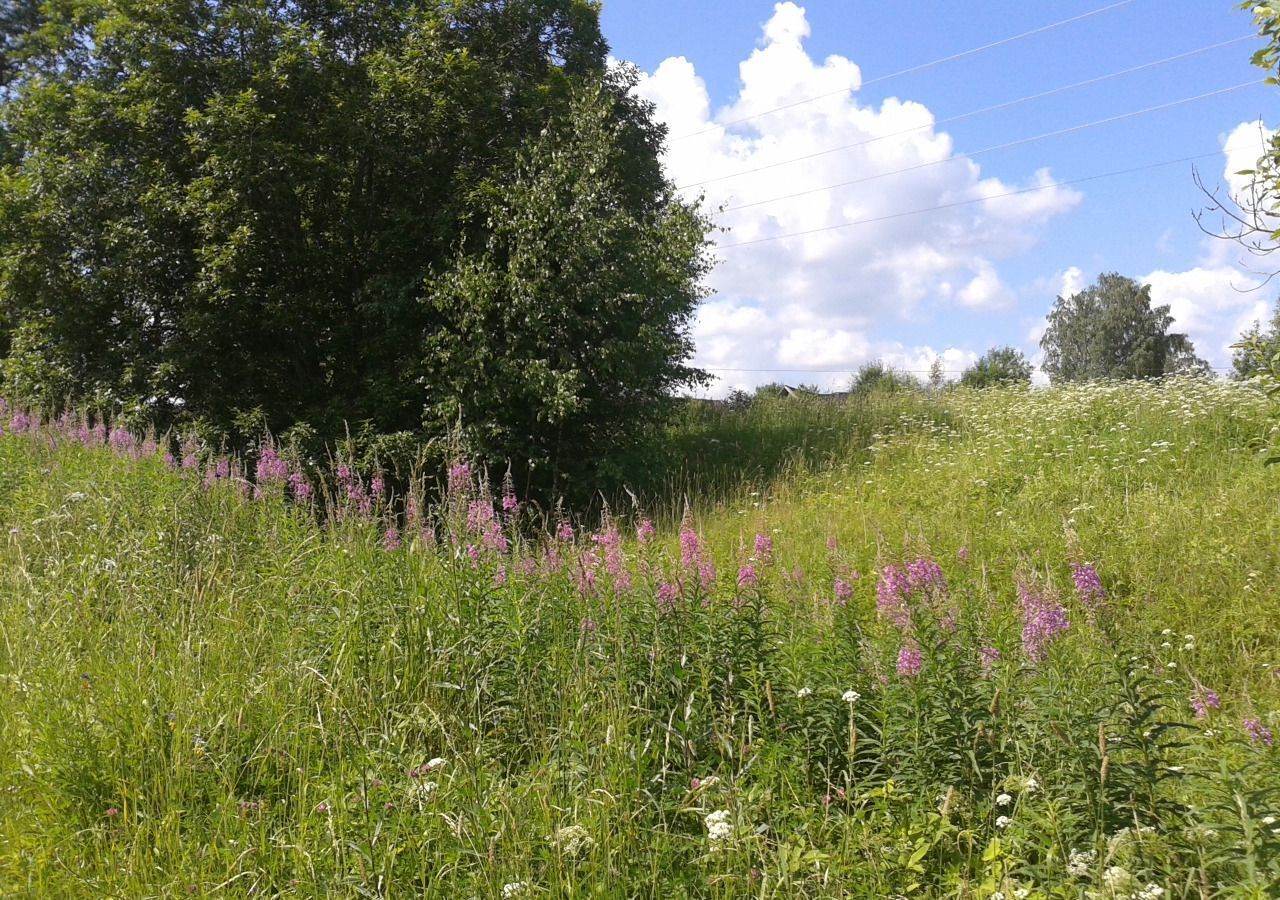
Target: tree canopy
[1257,348]
[999,365]
[1111,330]
[400,215]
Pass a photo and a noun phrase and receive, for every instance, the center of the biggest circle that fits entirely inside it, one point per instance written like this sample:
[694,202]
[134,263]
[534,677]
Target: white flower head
[1269,820]
[1032,785]
[434,763]
[1081,862]
[1004,800]
[514,889]
[804,692]
[1004,822]
[719,826]
[851,697]
[572,840]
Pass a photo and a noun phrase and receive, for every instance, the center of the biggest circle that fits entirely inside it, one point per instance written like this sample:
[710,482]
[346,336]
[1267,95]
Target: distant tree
[999,365]
[1257,348]
[937,375]
[877,377]
[1110,330]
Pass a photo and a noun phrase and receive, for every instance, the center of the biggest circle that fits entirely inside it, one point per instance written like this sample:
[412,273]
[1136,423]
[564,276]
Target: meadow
[997,644]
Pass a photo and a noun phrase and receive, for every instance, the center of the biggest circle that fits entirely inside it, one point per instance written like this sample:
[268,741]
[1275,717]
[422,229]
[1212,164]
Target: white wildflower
[1032,785]
[572,840]
[1022,893]
[1004,800]
[851,697]
[514,889]
[434,763]
[804,692]
[1004,822]
[1150,892]
[1081,862]
[719,828]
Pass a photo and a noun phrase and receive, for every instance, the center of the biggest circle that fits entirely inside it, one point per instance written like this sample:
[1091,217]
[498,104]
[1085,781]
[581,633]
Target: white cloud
[1212,305]
[821,295]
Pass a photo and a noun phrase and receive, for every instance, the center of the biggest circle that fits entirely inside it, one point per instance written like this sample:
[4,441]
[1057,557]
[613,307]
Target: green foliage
[998,366]
[1110,330]
[1255,351]
[340,212]
[876,377]
[203,693]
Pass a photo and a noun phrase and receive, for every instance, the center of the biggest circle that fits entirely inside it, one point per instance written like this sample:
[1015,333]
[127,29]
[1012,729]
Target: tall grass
[207,694]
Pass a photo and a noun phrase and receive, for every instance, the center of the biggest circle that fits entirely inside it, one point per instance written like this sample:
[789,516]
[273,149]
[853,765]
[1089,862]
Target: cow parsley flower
[851,697]
[719,826]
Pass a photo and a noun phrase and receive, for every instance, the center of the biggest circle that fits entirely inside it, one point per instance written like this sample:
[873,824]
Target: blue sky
[953,282]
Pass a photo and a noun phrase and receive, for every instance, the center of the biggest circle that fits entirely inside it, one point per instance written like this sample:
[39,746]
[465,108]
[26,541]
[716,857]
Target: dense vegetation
[390,219]
[1016,644]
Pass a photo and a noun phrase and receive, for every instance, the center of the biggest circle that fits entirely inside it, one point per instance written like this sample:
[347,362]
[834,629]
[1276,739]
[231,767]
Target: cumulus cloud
[1213,305]
[862,263]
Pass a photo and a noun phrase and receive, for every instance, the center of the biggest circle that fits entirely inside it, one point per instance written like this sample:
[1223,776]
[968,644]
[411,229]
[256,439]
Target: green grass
[207,695]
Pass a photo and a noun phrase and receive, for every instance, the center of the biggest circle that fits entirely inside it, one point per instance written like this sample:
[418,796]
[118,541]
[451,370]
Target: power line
[913,69]
[849,369]
[1005,146]
[969,115]
[959,203]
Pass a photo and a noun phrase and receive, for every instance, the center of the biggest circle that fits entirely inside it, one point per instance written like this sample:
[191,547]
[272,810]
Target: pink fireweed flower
[509,503]
[1258,733]
[668,594]
[494,539]
[1203,700]
[564,532]
[963,554]
[690,547]
[391,539]
[832,544]
[412,510]
[299,486]
[378,486]
[763,549]
[428,535]
[170,461]
[844,591]
[910,661]
[1043,619]
[1089,590]
[500,576]
[526,566]
[190,460]
[892,591]
[645,531]
[459,480]
[747,577]
[479,515]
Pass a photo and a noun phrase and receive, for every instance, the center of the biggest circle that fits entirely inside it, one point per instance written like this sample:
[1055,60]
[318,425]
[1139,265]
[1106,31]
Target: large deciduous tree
[401,214]
[1111,330]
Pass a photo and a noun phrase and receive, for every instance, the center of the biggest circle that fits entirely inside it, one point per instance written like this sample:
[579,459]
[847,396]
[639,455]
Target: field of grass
[983,645]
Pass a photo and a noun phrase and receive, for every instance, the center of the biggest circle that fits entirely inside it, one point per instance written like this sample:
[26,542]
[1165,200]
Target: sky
[910,182]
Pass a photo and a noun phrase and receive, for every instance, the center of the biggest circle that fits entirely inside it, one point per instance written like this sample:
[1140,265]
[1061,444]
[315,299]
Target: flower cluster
[1043,619]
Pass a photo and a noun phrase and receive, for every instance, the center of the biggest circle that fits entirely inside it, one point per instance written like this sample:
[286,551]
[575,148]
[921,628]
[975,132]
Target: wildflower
[322,808]
[1150,892]
[1081,862]
[1043,619]
[514,889]
[804,692]
[1032,785]
[910,661]
[1203,700]
[719,827]
[667,596]
[111,812]
[747,577]
[564,532]
[391,540]
[1269,820]
[645,531]
[843,591]
[851,697]
[1004,800]
[1004,822]
[1258,733]
[963,554]
[764,549]
[459,479]
[571,840]
[509,503]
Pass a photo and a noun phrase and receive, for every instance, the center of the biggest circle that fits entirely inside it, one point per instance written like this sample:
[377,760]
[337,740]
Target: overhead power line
[969,115]
[913,69]
[1005,146]
[959,203]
